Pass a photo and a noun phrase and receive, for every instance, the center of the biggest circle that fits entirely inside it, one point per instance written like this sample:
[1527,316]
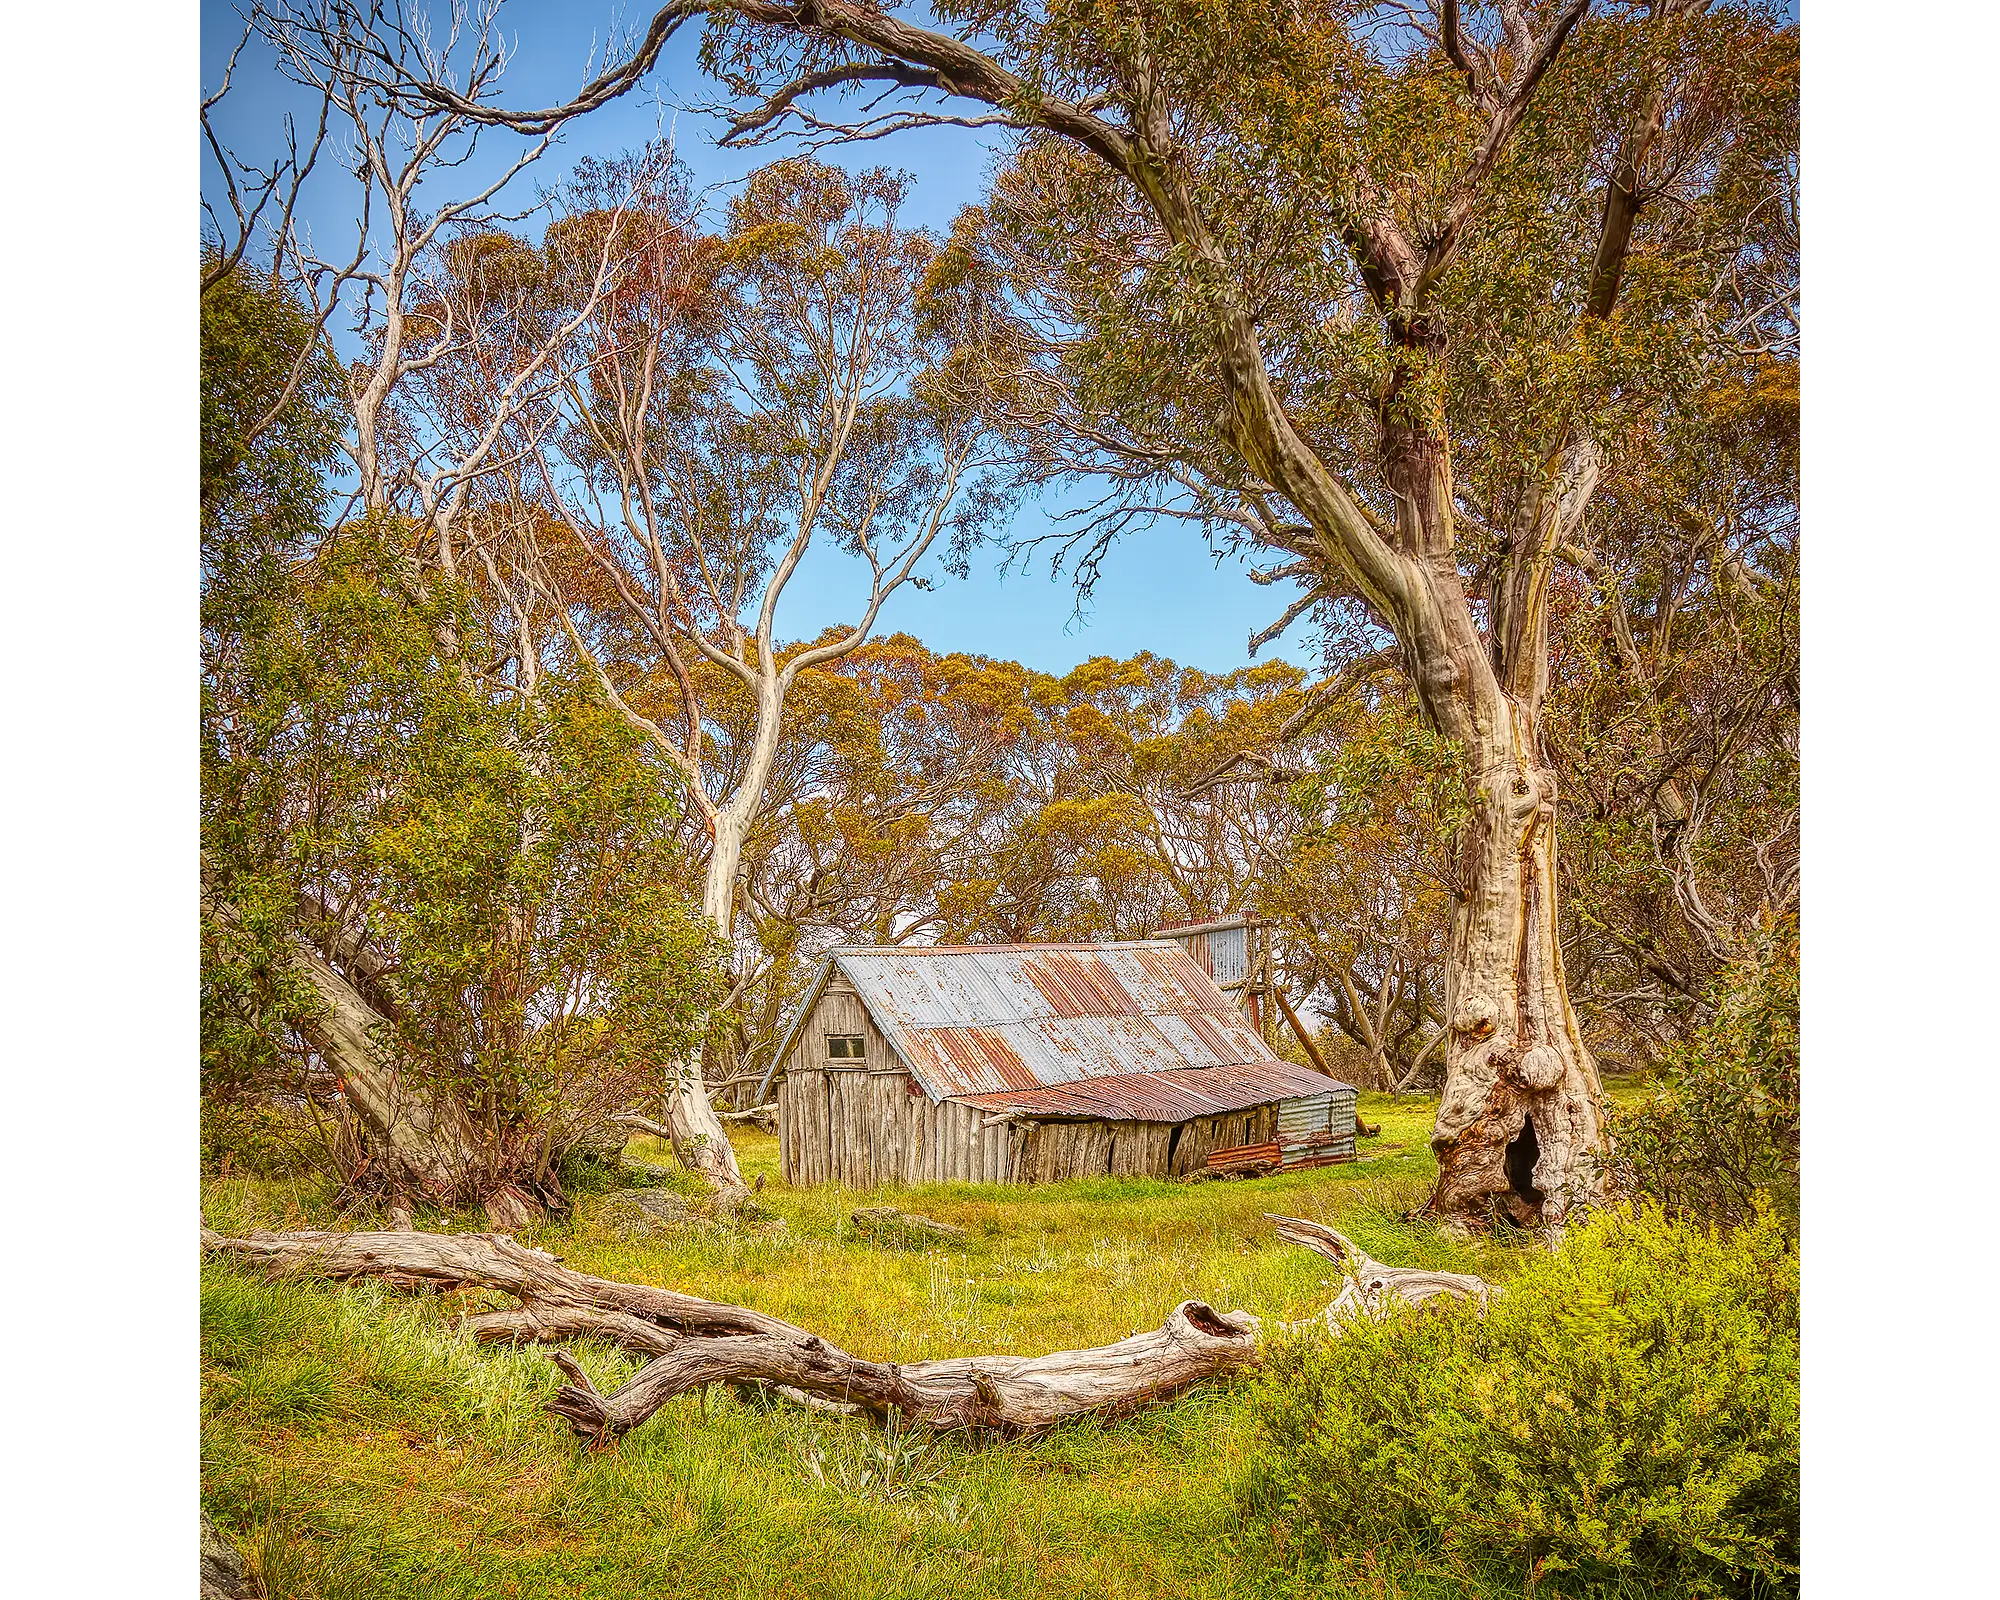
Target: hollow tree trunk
[693,1342]
[1520,1126]
[1521,1121]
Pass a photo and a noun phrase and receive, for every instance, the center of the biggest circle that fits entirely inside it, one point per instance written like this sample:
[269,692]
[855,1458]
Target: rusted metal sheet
[1244,1156]
[1132,1031]
[1077,985]
[1156,1096]
[968,1055]
[1317,1129]
[1163,967]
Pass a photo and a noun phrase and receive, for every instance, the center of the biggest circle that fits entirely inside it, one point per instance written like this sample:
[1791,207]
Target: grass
[354,1445]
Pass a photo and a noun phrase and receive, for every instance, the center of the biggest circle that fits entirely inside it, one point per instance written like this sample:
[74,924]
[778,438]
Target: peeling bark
[1514,1047]
[692,1342]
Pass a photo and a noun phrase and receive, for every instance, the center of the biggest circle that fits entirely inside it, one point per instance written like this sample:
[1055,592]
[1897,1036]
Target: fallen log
[692,1342]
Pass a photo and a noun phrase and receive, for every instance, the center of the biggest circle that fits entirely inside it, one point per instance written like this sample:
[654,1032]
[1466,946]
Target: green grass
[354,1445]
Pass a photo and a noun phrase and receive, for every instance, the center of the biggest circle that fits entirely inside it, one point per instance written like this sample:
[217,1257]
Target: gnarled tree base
[691,1342]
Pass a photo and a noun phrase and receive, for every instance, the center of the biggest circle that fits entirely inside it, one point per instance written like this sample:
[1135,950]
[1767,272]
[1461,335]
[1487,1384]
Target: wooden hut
[1029,1063]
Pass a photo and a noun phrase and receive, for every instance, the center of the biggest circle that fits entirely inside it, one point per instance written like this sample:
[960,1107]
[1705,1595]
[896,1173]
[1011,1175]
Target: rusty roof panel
[981,1056]
[1205,1038]
[982,1019]
[1163,972]
[1078,985]
[1160,1096]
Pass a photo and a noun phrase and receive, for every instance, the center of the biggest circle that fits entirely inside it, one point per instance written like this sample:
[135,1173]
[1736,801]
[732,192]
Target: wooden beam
[1299,1028]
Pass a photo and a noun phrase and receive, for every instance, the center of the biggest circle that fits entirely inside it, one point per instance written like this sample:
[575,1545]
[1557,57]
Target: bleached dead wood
[692,1342]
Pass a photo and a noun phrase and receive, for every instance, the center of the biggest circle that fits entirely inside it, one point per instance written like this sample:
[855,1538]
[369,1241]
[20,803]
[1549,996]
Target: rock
[887,1225]
[651,1210]
[222,1572]
[509,1210]
[640,1213]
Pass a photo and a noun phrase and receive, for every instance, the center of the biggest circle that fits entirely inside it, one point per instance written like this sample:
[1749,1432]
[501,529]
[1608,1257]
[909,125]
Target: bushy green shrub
[254,1137]
[1720,1125]
[1623,1419]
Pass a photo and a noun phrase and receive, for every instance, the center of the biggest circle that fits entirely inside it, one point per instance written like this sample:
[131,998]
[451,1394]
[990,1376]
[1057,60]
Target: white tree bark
[1521,1119]
[694,1342]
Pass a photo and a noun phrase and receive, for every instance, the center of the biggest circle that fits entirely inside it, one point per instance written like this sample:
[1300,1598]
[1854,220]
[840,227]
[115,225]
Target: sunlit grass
[354,1444]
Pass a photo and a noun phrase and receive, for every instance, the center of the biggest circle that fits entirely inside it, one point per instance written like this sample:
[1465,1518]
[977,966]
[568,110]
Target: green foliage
[498,838]
[430,1470]
[264,455]
[519,867]
[1623,1419]
[1718,1133]
[259,1137]
[264,461]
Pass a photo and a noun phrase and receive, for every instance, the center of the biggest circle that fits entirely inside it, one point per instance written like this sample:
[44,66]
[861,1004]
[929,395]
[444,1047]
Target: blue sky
[1161,589]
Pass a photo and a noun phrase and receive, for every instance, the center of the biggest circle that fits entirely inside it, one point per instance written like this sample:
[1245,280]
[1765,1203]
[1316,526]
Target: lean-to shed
[1029,1063]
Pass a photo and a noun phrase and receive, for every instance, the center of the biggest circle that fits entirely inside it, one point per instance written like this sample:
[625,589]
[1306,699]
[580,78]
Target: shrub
[1720,1126]
[1622,1420]
[255,1137]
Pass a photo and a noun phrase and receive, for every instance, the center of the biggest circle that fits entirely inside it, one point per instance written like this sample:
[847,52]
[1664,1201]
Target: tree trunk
[419,1145]
[698,1137]
[694,1342]
[1521,1122]
[416,1141]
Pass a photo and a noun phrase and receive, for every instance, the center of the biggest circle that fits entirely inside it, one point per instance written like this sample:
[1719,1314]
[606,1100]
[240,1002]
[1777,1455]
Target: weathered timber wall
[863,1123]
[859,1128]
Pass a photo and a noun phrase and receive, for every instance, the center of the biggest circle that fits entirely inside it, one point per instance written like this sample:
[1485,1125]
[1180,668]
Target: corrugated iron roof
[1160,1096]
[1139,1023]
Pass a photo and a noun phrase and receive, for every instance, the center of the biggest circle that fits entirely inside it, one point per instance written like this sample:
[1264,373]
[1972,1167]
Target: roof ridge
[978,949]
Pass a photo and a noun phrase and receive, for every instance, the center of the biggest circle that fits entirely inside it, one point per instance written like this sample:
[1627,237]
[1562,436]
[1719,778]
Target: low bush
[1622,1420]
[1718,1130]
[256,1138]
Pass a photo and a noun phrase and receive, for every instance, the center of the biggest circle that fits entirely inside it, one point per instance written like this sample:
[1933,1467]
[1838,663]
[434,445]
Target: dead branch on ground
[691,1342]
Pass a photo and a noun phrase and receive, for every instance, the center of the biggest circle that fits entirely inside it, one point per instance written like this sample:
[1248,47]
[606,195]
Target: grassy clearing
[354,1445]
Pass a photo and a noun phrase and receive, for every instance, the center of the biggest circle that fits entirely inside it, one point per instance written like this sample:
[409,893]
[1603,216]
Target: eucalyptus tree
[414,833]
[734,402]
[1372,286]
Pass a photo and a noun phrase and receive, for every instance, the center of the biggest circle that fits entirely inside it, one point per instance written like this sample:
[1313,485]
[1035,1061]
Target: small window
[844,1046]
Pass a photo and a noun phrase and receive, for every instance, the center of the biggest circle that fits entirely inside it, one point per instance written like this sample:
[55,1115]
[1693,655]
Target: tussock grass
[355,1445]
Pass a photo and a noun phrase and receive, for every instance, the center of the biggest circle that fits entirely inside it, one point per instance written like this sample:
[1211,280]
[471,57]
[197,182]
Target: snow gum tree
[1381,291]
[737,400]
